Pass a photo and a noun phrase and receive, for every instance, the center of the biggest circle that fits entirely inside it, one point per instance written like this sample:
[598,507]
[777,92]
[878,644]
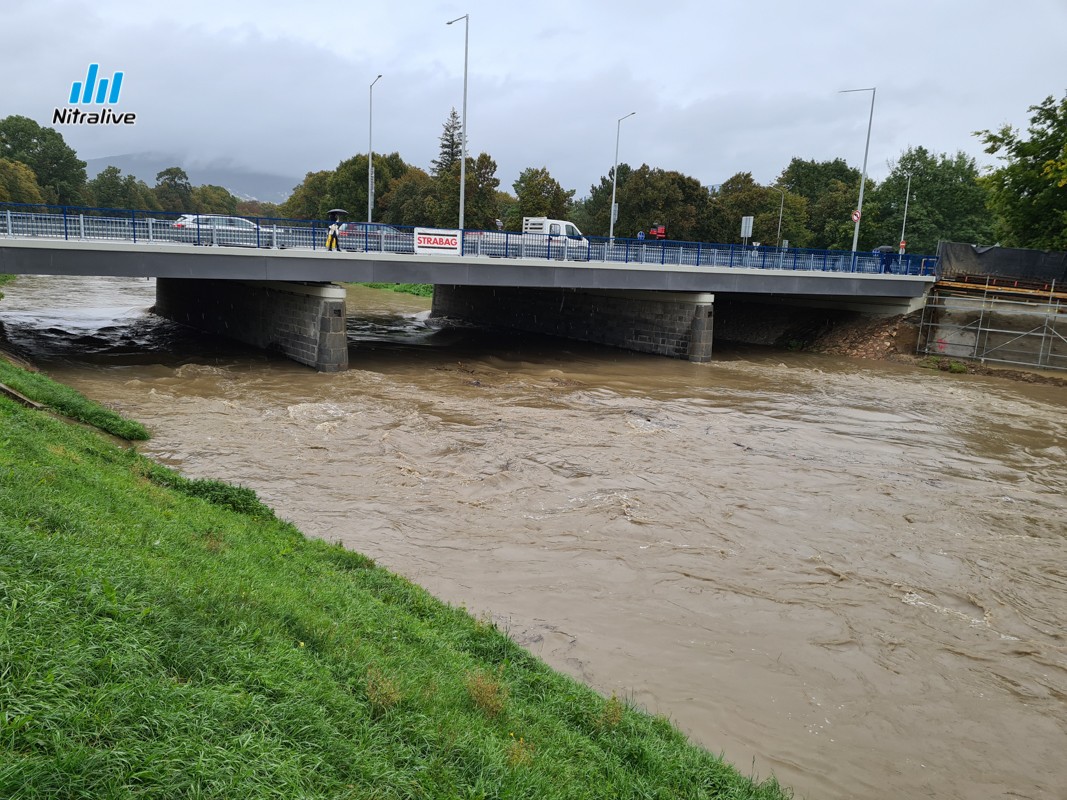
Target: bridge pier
[675,324]
[305,321]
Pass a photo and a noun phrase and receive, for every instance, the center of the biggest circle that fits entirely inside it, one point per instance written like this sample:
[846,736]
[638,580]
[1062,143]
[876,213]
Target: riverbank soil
[895,339]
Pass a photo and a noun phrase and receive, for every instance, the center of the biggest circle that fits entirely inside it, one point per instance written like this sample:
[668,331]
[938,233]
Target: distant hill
[243,183]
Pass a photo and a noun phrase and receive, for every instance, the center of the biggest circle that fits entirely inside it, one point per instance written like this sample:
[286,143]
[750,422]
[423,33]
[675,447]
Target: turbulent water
[852,575]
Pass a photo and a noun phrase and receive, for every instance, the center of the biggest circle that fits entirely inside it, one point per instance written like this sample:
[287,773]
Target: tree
[739,196]
[653,196]
[258,208]
[592,214]
[831,189]
[946,201]
[1028,195]
[209,199]
[538,195]
[173,190]
[308,200]
[18,184]
[412,200]
[481,209]
[111,189]
[451,146]
[347,185]
[59,172]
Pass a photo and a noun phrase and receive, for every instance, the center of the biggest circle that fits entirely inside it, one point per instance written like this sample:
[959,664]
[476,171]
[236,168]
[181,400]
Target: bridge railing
[152,227]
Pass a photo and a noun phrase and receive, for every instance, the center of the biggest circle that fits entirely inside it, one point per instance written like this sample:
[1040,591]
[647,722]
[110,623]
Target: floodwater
[852,575]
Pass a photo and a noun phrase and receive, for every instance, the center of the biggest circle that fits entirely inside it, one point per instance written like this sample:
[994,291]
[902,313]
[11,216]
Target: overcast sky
[719,86]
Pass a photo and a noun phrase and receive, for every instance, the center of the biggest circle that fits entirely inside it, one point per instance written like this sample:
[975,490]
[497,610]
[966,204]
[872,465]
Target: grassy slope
[420,289]
[172,638]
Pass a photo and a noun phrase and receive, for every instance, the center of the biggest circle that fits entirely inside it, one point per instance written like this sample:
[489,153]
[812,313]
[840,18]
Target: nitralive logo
[84,92]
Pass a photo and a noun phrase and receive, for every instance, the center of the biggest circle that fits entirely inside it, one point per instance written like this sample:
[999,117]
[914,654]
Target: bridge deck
[165,260]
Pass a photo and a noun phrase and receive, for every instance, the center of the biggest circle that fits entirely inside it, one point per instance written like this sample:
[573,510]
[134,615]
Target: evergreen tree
[451,146]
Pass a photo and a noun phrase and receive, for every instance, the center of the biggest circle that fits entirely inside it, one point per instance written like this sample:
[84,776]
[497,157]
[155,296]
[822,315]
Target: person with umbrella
[334,229]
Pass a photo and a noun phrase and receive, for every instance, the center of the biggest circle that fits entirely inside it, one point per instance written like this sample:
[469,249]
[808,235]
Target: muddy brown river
[850,574]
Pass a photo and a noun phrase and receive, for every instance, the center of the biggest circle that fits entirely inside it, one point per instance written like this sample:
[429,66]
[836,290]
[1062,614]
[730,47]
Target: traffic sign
[856,216]
[903,243]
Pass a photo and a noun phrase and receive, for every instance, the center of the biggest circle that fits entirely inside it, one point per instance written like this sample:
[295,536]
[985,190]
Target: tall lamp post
[907,196]
[370,151]
[781,208]
[615,175]
[463,158]
[863,178]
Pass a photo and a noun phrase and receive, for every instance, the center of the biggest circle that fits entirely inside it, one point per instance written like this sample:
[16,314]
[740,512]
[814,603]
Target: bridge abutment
[675,324]
[306,322]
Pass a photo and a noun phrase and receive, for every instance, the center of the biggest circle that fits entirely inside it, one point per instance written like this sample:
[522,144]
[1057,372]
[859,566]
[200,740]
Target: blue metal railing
[149,228]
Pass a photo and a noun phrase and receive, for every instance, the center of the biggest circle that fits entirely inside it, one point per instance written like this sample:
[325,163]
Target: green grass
[168,638]
[68,402]
[420,289]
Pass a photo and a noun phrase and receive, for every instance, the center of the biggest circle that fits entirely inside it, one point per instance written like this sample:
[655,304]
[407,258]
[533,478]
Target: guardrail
[158,227]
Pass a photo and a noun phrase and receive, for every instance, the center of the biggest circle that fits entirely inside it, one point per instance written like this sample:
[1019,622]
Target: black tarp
[1002,262]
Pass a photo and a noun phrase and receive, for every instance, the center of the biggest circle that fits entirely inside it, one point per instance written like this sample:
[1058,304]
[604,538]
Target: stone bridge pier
[304,321]
[675,324]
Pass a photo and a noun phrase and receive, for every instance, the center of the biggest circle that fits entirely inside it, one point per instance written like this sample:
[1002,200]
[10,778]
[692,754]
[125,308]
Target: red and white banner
[431,241]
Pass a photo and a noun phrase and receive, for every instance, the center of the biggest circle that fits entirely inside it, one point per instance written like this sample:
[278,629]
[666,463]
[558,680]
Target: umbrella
[336,211]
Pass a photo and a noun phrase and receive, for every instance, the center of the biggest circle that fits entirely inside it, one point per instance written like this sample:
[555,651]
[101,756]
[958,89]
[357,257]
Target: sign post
[746,228]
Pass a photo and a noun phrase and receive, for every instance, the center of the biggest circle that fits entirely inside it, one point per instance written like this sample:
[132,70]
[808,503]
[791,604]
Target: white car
[220,230]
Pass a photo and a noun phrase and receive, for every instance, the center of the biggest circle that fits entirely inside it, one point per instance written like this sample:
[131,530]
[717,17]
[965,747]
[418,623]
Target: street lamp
[615,176]
[863,178]
[463,162]
[907,196]
[781,208]
[370,151]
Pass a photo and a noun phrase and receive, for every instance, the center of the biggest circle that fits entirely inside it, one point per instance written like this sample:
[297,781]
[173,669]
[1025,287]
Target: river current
[850,574]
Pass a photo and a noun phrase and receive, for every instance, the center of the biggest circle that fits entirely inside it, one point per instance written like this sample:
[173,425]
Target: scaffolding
[1000,321]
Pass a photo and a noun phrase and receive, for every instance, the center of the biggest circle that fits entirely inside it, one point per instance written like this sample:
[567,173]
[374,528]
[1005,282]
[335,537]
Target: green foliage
[652,196]
[173,190]
[538,195]
[308,200]
[347,185]
[831,189]
[451,149]
[60,174]
[1028,194]
[236,498]
[411,200]
[111,189]
[481,209]
[593,214]
[66,401]
[156,645]
[208,199]
[947,201]
[18,184]
[258,208]
[417,289]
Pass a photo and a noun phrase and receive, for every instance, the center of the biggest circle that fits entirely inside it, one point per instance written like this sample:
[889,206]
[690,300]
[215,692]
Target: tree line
[1022,202]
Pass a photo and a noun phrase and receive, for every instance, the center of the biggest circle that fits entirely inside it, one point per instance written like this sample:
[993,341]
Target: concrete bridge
[623,292]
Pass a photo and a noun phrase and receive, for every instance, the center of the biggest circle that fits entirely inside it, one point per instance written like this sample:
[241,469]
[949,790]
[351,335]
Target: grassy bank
[162,637]
[420,289]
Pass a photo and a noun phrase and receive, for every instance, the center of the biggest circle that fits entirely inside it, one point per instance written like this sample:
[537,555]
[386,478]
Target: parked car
[374,236]
[220,230]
